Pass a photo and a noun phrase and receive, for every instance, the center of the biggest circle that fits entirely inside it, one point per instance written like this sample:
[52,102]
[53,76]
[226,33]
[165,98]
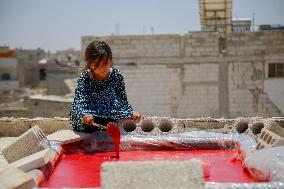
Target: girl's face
[100,68]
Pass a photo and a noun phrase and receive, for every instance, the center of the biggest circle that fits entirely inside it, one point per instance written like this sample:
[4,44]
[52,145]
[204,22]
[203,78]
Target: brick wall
[250,53]
[201,44]
[141,46]
[149,88]
[200,94]
[246,88]
[255,43]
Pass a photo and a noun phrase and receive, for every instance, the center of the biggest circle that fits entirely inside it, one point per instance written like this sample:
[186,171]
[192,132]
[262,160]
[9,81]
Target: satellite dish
[42,61]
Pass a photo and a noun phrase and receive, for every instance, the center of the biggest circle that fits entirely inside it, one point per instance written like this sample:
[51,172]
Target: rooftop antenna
[152,30]
[117,28]
[253,15]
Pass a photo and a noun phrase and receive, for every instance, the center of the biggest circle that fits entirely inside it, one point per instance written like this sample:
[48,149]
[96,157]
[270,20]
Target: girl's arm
[122,96]
[81,99]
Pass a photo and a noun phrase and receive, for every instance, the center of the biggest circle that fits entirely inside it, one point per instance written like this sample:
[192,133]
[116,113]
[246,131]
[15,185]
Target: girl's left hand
[137,116]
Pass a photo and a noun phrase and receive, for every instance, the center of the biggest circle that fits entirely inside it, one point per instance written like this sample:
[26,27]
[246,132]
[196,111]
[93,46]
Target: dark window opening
[131,64]
[276,70]
[77,62]
[42,74]
[6,76]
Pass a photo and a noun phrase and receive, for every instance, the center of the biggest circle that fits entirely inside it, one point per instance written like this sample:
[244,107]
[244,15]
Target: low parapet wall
[13,127]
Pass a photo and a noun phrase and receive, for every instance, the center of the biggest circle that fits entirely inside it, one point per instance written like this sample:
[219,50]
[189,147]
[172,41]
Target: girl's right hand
[137,116]
[88,119]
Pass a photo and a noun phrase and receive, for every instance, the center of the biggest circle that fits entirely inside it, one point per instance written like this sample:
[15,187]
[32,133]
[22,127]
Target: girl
[100,95]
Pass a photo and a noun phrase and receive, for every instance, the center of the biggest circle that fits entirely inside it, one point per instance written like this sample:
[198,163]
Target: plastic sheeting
[266,185]
[266,164]
[195,140]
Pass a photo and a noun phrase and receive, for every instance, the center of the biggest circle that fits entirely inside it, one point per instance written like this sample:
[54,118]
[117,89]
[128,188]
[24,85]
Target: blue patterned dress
[103,99]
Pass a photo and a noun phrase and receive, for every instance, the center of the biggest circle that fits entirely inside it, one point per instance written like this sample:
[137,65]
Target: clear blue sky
[59,24]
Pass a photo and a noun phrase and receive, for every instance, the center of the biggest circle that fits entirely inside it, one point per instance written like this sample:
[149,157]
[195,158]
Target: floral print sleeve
[81,102]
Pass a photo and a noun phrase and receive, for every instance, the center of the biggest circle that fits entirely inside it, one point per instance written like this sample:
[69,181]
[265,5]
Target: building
[271,27]
[216,15]
[57,75]
[241,24]
[8,70]
[29,68]
[191,76]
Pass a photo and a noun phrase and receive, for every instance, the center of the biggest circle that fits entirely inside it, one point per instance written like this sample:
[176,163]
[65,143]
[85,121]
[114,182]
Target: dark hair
[96,50]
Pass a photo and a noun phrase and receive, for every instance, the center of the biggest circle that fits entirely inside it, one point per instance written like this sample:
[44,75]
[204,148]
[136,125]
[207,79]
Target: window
[6,76]
[276,70]
[42,74]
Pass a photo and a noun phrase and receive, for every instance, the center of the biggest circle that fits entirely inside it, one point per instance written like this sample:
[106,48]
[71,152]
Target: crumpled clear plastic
[266,164]
[266,185]
[194,140]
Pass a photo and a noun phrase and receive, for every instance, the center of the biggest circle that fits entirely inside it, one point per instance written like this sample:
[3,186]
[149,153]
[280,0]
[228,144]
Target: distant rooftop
[241,19]
[271,27]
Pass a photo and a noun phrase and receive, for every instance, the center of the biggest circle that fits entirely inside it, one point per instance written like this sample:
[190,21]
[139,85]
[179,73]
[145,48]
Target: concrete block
[11,177]
[10,127]
[37,176]
[35,160]
[67,136]
[276,128]
[152,175]
[3,161]
[15,127]
[204,124]
[6,141]
[271,136]
[51,125]
[28,143]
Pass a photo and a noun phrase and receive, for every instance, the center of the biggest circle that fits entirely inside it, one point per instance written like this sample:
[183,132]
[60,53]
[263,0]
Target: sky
[58,24]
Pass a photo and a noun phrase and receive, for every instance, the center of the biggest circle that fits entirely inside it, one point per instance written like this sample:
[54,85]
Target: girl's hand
[137,116]
[88,119]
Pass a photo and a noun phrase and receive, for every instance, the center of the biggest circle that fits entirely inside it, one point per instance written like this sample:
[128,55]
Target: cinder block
[37,176]
[35,160]
[152,175]
[3,161]
[273,126]
[11,177]
[271,136]
[67,136]
[28,143]
[10,127]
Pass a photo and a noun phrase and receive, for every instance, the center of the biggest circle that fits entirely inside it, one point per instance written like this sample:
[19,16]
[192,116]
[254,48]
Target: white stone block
[28,143]
[11,177]
[35,160]
[152,174]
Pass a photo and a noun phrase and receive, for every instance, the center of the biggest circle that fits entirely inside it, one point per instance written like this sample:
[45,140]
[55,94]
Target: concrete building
[191,76]
[216,15]
[266,27]
[67,56]
[8,73]
[29,69]
[56,74]
[241,24]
